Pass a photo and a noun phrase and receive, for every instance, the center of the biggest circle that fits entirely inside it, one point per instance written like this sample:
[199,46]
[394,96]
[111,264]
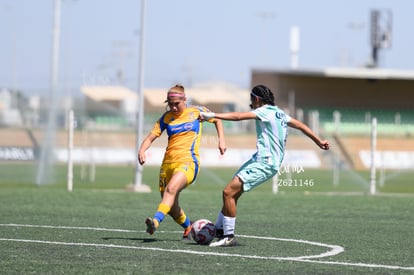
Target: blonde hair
[176,91]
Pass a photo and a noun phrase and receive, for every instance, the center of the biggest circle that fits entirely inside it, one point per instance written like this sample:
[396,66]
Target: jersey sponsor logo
[188,126]
[176,129]
[282,117]
[181,127]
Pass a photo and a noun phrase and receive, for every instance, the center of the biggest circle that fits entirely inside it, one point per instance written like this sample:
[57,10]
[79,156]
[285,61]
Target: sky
[189,42]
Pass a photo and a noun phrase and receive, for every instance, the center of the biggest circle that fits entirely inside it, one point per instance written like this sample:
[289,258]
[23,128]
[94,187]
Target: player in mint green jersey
[271,130]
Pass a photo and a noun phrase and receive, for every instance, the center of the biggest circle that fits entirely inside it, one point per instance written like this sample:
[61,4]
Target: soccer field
[99,227]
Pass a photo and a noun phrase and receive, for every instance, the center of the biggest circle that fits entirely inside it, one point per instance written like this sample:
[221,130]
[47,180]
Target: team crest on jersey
[191,116]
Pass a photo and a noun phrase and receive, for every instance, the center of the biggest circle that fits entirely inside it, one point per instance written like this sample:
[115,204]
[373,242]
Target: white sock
[229,224]
[219,220]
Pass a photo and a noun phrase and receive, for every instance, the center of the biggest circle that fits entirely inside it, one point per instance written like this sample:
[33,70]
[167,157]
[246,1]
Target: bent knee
[232,191]
[170,191]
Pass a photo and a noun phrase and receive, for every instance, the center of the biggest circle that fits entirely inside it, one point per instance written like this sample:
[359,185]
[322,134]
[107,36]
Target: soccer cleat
[229,240]
[187,233]
[152,225]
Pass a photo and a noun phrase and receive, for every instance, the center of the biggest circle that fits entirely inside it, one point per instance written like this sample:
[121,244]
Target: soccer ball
[203,231]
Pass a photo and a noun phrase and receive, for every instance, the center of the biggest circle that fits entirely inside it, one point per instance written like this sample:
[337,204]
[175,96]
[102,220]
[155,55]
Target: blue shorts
[253,173]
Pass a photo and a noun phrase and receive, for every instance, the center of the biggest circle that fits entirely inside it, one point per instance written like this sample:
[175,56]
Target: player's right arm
[156,131]
[146,143]
[220,134]
[235,116]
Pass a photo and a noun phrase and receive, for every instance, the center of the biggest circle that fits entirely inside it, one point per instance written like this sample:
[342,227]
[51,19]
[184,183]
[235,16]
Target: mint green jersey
[271,131]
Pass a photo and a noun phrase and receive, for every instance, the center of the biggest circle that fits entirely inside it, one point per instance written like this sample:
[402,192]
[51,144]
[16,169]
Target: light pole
[46,154]
[138,185]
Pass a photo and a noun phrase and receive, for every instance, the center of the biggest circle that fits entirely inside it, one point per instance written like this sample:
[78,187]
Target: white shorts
[253,173]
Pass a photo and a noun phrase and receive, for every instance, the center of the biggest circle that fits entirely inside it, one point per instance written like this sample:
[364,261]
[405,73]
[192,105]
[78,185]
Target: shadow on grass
[144,240]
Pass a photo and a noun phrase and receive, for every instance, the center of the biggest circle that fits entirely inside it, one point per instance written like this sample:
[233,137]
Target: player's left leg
[231,194]
[190,171]
[177,183]
[184,221]
[179,216]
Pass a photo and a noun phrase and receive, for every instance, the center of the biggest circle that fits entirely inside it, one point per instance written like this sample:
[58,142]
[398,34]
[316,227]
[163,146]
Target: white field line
[296,259]
[69,227]
[335,249]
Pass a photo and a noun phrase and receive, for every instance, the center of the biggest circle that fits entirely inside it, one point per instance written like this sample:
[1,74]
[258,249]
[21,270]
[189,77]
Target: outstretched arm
[235,116]
[220,134]
[294,123]
[146,143]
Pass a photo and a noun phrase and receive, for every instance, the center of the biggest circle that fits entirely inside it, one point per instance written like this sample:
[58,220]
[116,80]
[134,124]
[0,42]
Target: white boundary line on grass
[335,249]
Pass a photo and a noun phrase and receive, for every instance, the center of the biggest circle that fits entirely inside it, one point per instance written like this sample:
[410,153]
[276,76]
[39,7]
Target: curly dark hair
[264,93]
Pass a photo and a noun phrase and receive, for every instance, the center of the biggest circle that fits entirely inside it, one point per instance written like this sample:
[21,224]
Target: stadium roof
[204,94]
[218,93]
[363,73]
[108,93]
[363,88]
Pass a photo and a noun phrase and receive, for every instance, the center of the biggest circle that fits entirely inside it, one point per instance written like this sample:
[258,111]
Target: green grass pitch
[99,227]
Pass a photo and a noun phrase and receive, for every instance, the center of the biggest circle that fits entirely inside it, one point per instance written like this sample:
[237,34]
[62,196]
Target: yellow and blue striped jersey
[184,134]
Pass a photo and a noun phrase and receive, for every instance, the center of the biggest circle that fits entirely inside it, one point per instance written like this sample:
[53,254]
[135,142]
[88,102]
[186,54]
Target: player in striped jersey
[271,130]
[181,161]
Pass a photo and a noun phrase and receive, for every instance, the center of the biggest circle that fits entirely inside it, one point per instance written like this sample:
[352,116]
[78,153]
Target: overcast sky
[189,41]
